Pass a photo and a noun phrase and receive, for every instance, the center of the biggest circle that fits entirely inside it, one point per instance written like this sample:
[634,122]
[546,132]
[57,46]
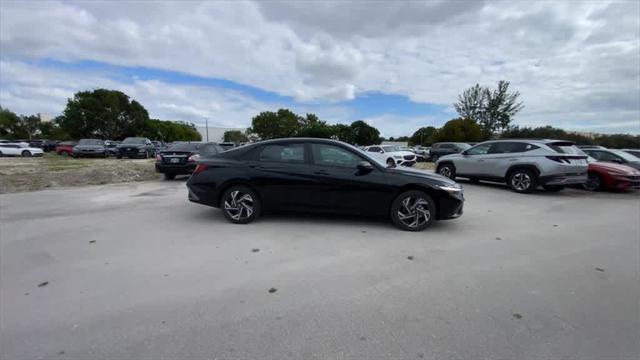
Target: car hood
[130,146]
[89,147]
[421,174]
[450,157]
[606,166]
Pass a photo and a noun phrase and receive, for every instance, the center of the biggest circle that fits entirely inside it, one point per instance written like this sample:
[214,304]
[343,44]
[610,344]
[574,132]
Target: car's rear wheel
[26,153]
[169,176]
[594,182]
[553,188]
[522,181]
[240,205]
[447,170]
[413,210]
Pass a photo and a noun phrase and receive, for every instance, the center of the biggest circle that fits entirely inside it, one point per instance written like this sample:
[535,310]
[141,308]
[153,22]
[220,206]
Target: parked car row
[526,164]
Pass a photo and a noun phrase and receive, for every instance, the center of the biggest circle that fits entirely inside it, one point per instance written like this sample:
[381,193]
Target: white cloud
[574,62]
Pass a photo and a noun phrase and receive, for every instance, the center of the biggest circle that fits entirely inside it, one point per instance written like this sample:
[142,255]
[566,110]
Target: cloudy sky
[397,65]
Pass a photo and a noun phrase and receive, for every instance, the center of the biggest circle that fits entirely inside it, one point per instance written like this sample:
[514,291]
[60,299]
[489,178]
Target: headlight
[141,150]
[451,189]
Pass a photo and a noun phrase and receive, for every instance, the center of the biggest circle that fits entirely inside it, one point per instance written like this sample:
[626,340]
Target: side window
[511,147]
[286,153]
[605,156]
[446,146]
[479,149]
[375,149]
[330,155]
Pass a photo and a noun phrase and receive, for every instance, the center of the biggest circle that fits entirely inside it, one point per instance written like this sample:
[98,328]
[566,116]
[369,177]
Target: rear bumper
[180,169]
[563,179]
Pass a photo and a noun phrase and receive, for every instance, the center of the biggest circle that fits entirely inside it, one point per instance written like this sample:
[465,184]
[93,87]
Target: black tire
[553,188]
[26,153]
[391,162]
[1,154]
[169,176]
[118,156]
[240,211]
[105,155]
[447,170]
[417,207]
[434,158]
[594,182]
[522,181]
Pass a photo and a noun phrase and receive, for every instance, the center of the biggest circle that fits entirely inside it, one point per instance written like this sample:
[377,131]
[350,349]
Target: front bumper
[564,179]
[135,152]
[89,153]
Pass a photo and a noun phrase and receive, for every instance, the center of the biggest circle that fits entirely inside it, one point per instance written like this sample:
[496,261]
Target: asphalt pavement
[135,271]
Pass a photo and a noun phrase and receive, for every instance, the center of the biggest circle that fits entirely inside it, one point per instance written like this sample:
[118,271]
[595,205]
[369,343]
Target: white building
[215,134]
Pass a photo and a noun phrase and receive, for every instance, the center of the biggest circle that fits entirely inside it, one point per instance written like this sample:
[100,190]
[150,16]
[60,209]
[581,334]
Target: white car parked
[391,155]
[19,149]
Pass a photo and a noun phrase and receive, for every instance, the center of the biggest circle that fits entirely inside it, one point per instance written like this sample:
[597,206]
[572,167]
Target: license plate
[175,160]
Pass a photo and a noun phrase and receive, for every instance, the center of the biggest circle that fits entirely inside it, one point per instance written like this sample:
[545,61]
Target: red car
[65,148]
[611,176]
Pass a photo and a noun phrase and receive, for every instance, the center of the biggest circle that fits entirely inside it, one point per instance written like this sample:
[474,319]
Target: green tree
[492,109]
[461,130]
[364,134]
[170,131]
[272,125]
[235,136]
[342,132]
[9,124]
[423,136]
[103,113]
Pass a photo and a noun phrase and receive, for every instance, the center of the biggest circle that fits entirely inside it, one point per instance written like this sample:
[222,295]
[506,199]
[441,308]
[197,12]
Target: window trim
[305,154]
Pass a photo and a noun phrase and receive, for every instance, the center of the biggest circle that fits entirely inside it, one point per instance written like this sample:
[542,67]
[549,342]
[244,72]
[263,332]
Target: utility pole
[206,122]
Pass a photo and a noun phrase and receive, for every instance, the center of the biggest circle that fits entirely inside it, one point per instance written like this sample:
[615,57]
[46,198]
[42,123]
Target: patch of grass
[424,166]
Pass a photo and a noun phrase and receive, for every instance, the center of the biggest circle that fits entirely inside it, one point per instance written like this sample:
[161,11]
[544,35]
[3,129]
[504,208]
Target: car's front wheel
[522,181]
[594,182]
[240,205]
[447,170]
[413,210]
[26,153]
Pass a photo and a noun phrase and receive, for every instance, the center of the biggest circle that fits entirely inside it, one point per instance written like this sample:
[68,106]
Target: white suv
[392,155]
[522,164]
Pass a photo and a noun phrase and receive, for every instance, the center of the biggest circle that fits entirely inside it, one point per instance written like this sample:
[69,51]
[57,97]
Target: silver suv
[522,164]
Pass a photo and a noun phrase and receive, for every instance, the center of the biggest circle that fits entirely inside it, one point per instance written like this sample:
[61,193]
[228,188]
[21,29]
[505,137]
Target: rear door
[503,155]
[282,175]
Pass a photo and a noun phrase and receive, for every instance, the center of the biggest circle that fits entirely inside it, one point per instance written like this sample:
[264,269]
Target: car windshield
[184,147]
[134,141]
[624,155]
[391,148]
[90,142]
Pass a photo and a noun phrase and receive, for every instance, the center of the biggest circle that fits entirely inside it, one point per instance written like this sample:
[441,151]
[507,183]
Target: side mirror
[381,151]
[364,166]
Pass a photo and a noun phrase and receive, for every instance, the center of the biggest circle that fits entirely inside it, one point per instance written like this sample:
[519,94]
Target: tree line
[101,113]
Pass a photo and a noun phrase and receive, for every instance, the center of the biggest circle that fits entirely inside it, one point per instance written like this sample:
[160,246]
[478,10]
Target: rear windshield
[208,150]
[90,142]
[135,141]
[565,148]
[185,147]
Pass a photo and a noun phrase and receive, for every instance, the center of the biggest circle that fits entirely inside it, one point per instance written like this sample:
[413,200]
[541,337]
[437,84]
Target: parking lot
[136,271]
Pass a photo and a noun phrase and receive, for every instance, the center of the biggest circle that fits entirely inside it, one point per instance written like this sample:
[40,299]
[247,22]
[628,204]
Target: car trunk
[175,157]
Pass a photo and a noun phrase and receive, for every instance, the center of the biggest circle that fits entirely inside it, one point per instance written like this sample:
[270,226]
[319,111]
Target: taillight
[193,158]
[200,168]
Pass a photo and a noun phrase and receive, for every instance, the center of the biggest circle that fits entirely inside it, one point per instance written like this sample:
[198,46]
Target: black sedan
[321,176]
[180,158]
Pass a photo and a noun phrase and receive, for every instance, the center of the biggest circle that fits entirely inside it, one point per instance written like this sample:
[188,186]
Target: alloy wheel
[593,182]
[414,211]
[521,181]
[239,205]
[445,171]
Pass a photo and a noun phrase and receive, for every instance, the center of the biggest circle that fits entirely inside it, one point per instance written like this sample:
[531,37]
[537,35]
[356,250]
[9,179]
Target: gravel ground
[135,271]
[52,171]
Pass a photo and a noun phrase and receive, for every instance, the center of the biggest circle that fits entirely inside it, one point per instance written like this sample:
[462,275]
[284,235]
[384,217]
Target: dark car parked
[615,156]
[180,158]
[324,176]
[90,148]
[439,150]
[136,147]
[112,147]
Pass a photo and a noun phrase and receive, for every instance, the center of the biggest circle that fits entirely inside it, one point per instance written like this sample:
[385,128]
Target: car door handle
[321,172]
